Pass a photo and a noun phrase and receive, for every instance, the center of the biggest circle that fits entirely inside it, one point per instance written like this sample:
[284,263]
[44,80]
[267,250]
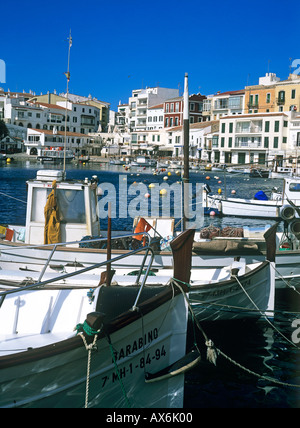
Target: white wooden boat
[139,333]
[144,161]
[275,207]
[56,156]
[26,252]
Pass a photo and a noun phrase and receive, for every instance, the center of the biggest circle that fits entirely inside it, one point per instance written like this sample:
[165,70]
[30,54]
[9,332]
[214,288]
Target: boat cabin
[291,190]
[77,204]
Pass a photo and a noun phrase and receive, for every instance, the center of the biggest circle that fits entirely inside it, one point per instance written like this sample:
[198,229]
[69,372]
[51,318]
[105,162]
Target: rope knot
[211,352]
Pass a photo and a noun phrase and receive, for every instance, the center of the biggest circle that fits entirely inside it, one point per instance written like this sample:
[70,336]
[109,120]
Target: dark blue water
[256,346]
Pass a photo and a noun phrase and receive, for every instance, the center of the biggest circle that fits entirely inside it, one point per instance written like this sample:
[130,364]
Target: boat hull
[243,207]
[56,375]
[248,296]
[67,259]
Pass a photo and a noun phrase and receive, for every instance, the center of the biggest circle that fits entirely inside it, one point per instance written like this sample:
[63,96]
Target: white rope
[292,287]
[214,349]
[91,347]
[263,314]
[12,197]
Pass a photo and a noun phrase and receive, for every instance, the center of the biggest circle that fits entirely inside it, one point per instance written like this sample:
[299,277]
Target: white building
[253,138]
[39,139]
[141,100]
[155,117]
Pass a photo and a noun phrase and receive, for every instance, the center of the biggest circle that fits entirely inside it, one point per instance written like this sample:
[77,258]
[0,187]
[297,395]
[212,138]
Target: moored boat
[139,333]
[272,207]
[56,156]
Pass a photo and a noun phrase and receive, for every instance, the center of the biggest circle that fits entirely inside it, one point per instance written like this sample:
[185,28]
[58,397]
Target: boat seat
[114,300]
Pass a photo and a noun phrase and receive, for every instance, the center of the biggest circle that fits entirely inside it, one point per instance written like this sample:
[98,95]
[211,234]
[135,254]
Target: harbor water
[259,362]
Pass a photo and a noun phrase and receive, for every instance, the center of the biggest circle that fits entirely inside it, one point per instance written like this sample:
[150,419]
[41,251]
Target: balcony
[221,105]
[244,143]
[280,101]
[252,105]
[253,127]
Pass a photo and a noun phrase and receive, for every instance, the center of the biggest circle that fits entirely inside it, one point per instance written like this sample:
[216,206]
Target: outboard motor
[287,212]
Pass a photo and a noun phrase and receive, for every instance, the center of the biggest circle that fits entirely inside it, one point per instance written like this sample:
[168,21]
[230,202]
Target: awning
[165,148]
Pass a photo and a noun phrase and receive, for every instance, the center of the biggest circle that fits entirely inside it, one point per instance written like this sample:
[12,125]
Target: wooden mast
[186,131]
[66,111]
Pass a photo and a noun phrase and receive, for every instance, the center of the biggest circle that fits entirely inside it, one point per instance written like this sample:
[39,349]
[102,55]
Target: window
[281,96]
[167,108]
[293,95]
[222,142]
[275,142]
[267,126]
[223,127]
[192,106]
[230,142]
[230,127]
[266,142]
[276,126]
[172,107]
[176,121]
[177,107]
[268,98]
[167,122]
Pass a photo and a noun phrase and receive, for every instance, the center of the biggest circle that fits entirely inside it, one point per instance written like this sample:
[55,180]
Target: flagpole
[66,113]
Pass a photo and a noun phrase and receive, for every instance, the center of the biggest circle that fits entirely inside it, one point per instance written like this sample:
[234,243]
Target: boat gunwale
[120,321]
[225,283]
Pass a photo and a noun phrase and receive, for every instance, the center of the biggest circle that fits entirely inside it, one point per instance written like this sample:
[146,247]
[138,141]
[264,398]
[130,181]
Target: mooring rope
[91,347]
[213,350]
[12,197]
[292,287]
[263,314]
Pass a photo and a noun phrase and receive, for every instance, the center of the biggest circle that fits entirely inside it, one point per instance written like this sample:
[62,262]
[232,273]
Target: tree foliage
[3,130]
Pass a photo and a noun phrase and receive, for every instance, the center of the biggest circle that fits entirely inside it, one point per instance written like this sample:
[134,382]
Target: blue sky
[119,46]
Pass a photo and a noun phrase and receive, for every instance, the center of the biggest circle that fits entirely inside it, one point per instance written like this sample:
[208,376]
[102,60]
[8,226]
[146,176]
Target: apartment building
[102,108]
[39,139]
[227,103]
[155,117]
[141,100]
[223,104]
[200,139]
[287,94]
[173,110]
[253,138]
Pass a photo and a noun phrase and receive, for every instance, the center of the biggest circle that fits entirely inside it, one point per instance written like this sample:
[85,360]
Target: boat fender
[287,212]
[220,207]
[295,228]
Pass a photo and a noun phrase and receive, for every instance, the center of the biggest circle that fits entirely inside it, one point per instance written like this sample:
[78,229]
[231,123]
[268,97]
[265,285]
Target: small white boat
[281,172]
[238,170]
[139,333]
[144,161]
[56,156]
[274,208]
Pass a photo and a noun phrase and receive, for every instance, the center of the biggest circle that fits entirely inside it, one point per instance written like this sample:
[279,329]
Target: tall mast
[66,113]
[186,131]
